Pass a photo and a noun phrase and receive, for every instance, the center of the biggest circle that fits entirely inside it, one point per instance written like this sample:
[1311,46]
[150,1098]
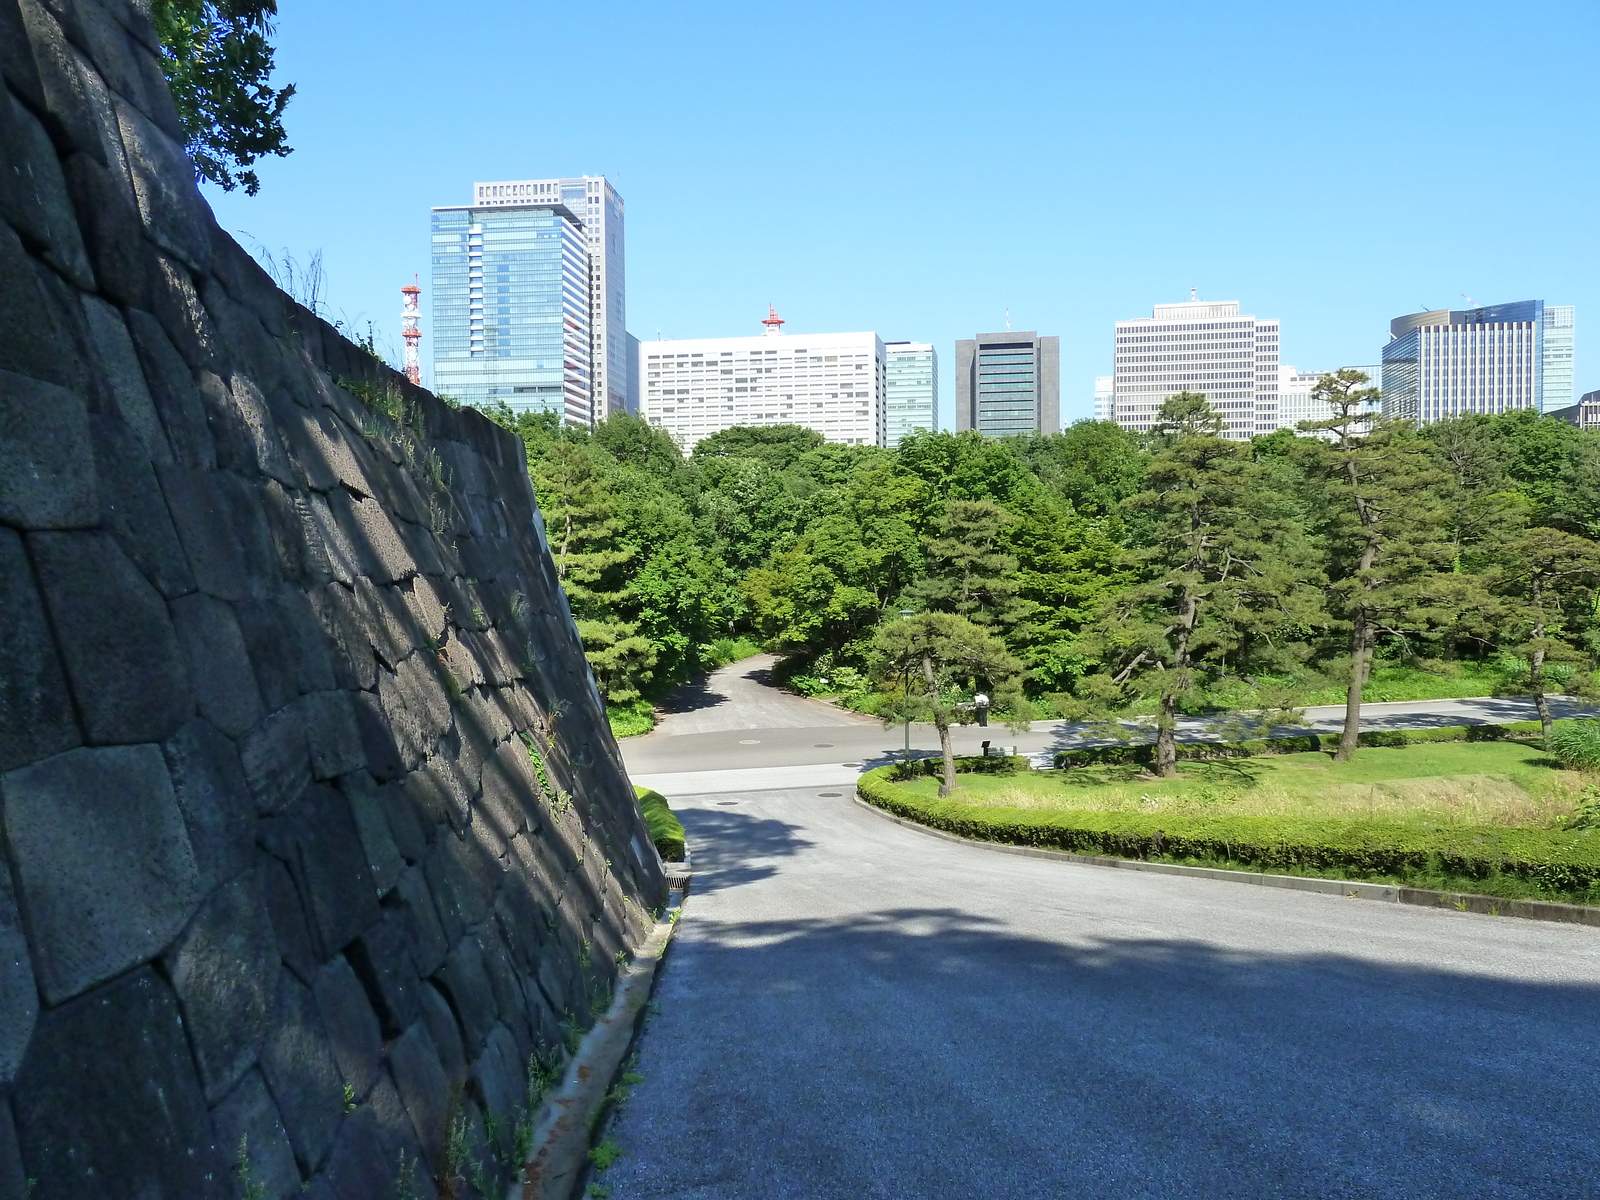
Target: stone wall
[313,829]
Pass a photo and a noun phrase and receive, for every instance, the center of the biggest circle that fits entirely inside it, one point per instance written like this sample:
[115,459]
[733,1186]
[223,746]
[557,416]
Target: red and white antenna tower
[410,314]
[773,322]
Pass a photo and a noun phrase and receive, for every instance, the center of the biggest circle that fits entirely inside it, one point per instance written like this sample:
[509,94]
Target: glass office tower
[1008,383]
[911,394]
[1493,359]
[511,308]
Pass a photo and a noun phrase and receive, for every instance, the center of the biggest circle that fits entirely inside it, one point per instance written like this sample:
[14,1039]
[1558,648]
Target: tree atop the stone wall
[219,61]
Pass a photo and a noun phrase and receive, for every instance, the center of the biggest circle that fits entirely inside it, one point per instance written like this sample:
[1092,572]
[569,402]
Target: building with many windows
[511,308]
[1104,390]
[911,391]
[834,383]
[599,210]
[1296,404]
[1585,414]
[1198,346]
[1492,359]
[1008,383]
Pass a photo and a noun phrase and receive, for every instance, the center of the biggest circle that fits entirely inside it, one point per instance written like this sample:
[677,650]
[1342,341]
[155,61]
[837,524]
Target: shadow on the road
[692,696]
[1139,1066]
[732,848]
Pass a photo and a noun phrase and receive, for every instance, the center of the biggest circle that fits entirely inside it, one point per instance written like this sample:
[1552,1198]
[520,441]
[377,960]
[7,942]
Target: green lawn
[1449,783]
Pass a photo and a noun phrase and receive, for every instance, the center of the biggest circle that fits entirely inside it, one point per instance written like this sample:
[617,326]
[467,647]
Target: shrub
[1144,753]
[631,719]
[1576,744]
[666,831]
[1555,864]
[975,764]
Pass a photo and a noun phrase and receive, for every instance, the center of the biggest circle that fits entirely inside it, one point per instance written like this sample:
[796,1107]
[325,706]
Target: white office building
[599,210]
[1296,403]
[911,394]
[1198,346]
[1104,390]
[834,383]
[1493,359]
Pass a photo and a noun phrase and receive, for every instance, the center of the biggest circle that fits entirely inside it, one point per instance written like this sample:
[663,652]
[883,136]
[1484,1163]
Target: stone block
[47,475]
[76,105]
[120,650]
[330,554]
[243,504]
[247,1122]
[354,664]
[367,804]
[108,1093]
[172,387]
[504,982]
[417,704]
[108,49]
[163,182]
[117,364]
[377,739]
[384,556]
[285,520]
[260,430]
[277,760]
[440,794]
[19,995]
[214,797]
[352,1026]
[105,871]
[316,837]
[17,67]
[425,935]
[302,1073]
[383,614]
[332,734]
[13,1178]
[36,716]
[427,610]
[108,220]
[219,665]
[132,508]
[462,875]
[500,1080]
[424,1089]
[358,1164]
[234,452]
[263,625]
[465,983]
[445,1029]
[225,970]
[200,515]
[33,193]
[288,919]
[401,1147]
[510,789]
[382,960]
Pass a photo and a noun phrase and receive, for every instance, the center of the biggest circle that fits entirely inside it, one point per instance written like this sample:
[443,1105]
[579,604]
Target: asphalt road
[854,1009]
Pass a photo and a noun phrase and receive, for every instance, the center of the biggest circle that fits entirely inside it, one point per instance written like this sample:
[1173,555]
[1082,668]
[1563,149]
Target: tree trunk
[1536,668]
[1173,682]
[942,723]
[1360,668]
[1166,747]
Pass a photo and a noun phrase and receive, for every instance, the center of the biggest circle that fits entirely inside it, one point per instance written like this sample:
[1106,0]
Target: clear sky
[919,169]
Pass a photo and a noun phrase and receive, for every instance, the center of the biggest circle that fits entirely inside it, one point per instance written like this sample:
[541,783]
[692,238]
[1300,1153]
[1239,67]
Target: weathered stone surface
[465,984]
[277,760]
[510,789]
[378,744]
[19,996]
[352,1026]
[215,799]
[302,1073]
[13,1177]
[367,803]
[172,387]
[107,1102]
[33,193]
[440,792]
[382,959]
[219,666]
[120,650]
[354,666]
[247,1117]
[174,215]
[462,873]
[288,919]
[358,1165]
[401,1147]
[425,934]
[417,706]
[225,970]
[243,502]
[317,839]
[383,555]
[133,510]
[108,219]
[445,1029]
[201,518]
[260,432]
[47,478]
[104,866]
[501,1082]
[332,734]
[36,717]
[424,1088]
[119,369]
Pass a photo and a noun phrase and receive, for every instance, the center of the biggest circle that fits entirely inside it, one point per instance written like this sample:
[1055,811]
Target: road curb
[562,1132]
[1493,906]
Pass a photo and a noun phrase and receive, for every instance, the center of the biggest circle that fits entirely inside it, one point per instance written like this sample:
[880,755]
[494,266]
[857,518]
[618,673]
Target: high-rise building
[511,307]
[600,210]
[635,377]
[1008,383]
[831,382]
[1585,414]
[911,392]
[1296,404]
[1491,359]
[1199,346]
[1104,390]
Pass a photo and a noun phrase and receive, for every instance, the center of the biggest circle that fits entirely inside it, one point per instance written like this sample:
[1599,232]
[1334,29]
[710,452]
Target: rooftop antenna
[1008,320]
[410,313]
[1191,295]
[1470,300]
[773,322]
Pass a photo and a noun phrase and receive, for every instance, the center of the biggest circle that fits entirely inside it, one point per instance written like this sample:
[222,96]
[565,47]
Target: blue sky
[918,169]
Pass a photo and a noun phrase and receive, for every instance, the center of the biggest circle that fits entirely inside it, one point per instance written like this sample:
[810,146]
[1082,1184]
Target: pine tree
[1386,530]
[1225,579]
[1549,576]
[965,569]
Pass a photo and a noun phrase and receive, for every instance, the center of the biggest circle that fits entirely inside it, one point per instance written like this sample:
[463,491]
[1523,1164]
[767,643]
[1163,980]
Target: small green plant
[571,1032]
[405,1179]
[584,958]
[596,1192]
[621,957]
[1576,744]
[606,1153]
[349,1098]
[1586,813]
[455,1144]
[252,1188]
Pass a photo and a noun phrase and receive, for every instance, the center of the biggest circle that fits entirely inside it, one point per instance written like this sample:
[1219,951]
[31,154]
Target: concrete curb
[562,1133]
[1493,906]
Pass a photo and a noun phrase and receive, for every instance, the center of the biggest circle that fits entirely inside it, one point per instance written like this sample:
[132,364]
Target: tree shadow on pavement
[731,848]
[932,1053]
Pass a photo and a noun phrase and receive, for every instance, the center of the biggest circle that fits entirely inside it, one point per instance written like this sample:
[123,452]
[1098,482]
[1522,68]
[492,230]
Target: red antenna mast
[410,313]
[772,321]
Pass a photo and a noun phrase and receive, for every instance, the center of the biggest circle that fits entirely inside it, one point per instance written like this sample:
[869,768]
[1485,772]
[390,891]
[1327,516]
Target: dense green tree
[218,58]
[965,568]
[1549,576]
[1386,531]
[928,663]
[1225,578]
[778,446]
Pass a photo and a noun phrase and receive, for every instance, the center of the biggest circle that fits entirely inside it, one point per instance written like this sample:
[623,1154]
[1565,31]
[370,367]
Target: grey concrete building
[1008,383]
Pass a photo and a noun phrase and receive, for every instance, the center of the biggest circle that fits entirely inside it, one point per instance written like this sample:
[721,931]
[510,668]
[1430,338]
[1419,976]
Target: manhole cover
[830,795]
[750,741]
[850,764]
[823,745]
[726,803]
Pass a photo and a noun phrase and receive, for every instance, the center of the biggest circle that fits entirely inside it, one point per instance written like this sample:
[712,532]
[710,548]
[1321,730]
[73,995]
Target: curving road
[855,1009]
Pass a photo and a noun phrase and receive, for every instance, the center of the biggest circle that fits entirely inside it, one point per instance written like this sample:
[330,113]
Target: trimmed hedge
[1144,753]
[968,764]
[666,831]
[1552,864]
